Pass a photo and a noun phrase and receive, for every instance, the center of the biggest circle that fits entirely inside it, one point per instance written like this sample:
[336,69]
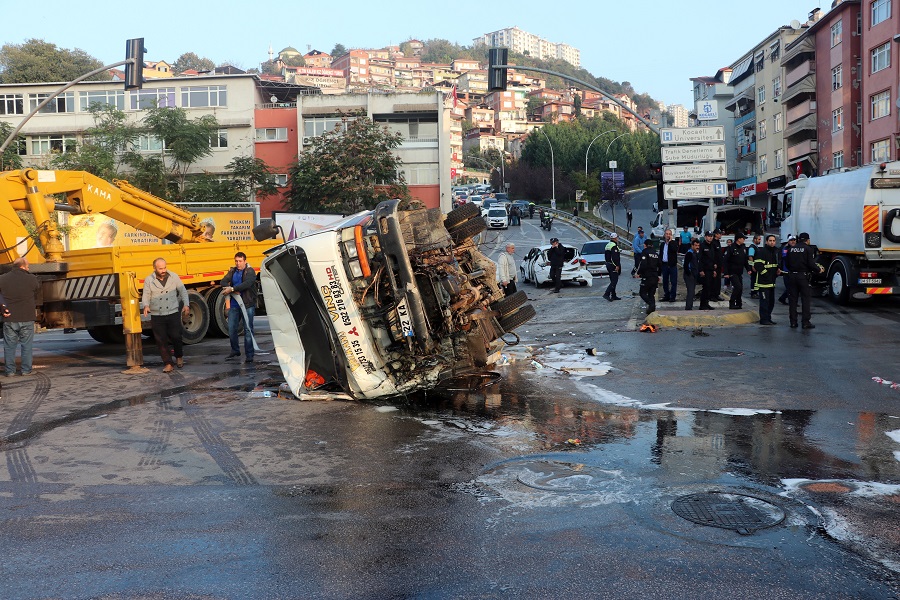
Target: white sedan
[536,268]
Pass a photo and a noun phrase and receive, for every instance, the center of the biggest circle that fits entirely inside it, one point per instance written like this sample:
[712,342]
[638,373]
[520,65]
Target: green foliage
[348,169]
[406,49]
[294,61]
[186,141]
[37,61]
[250,177]
[106,146]
[338,50]
[270,67]
[10,159]
[190,60]
[443,52]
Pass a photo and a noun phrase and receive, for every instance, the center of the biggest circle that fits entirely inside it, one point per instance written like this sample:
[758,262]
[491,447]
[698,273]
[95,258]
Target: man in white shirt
[506,270]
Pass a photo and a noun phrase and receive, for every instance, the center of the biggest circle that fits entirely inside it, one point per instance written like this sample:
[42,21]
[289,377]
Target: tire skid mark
[214,445]
[23,419]
[157,444]
[18,463]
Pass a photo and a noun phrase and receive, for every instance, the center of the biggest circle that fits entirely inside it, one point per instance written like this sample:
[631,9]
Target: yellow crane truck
[100,289]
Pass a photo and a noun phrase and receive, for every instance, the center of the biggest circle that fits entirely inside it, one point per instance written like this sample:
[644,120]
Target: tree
[185,141]
[294,61]
[107,145]
[270,67]
[37,61]
[250,178]
[406,49]
[348,169]
[189,60]
[338,50]
[10,159]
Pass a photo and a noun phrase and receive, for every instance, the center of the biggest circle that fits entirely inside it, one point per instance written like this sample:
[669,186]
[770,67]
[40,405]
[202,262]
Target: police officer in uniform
[719,255]
[735,264]
[800,265]
[648,270]
[556,255]
[708,271]
[613,258]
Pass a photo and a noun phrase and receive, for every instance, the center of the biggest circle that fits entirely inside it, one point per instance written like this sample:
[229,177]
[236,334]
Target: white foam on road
[867,489]
[894,435]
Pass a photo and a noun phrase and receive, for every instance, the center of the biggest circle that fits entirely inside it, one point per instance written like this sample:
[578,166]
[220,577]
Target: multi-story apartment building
[355,65]
[679,115]
[317,59]
[878,65]
[529,44]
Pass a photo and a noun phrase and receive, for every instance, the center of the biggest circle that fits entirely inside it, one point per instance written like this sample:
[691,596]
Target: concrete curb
[702,318]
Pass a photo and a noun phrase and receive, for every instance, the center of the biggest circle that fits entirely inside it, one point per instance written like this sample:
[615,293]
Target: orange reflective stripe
[881,290]
[870,219]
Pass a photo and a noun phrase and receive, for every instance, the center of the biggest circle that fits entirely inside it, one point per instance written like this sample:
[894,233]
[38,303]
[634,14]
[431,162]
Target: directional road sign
[680,154]
[691,135]
[694,171]
[709,189]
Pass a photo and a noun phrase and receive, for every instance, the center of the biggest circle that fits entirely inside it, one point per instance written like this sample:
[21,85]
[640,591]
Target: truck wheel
[198,320]
[461,214]
[218,320]
[518,318]
[467,230]
[839,280]
[107,334]
[510,303]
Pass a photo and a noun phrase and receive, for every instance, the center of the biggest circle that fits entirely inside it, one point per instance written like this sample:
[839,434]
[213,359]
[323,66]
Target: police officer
[708,273]
[648,270]
[719,255]
[765,269]
[800,265]
[613,258]
[556,256]
[691,272]
[736,264]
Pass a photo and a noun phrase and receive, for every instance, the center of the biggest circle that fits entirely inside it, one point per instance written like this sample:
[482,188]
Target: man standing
[765,270]
[648,271]
[751,257]
[163,293]
[628,217]
[637,245]
[506,270]
[792,242]
[240,284]
[708,273]
[736,264]
[719,255]
[613,258]
[691,272]
[801,265]
[685,237]
[556,255]
[20,291]
[668,258]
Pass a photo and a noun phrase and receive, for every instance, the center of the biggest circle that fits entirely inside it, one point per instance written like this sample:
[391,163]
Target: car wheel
[524,277]
[583,283]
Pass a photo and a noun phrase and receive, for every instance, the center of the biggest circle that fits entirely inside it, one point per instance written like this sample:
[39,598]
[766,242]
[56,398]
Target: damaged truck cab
[387,302]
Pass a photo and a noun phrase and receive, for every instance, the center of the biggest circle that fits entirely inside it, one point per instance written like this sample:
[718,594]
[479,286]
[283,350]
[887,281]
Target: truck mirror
[266,231]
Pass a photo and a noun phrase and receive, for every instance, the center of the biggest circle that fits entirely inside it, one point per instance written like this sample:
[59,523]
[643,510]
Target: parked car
[594,255]
[476,200]
[497,218]
[502,196]
[523,206]
[536,268]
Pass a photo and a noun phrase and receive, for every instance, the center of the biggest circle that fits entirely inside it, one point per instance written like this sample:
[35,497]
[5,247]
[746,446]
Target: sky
[657,46]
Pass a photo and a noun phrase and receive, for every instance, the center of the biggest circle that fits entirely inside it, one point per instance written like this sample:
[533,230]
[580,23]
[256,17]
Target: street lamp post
[552,168]
[589,148]
[612,165]
[491,165]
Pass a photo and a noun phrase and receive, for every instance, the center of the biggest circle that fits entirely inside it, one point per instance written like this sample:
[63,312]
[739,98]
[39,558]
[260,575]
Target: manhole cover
[742,513]
[716,353]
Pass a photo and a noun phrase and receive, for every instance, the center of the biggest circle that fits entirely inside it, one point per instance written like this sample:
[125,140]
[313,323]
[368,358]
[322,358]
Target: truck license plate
[405,320]
[870,281]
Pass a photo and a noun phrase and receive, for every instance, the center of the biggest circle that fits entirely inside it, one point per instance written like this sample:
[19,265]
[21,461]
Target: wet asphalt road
[543,484]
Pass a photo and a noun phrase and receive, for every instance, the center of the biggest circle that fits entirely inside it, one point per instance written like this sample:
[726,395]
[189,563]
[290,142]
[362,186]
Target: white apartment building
[530,44]
[680,114]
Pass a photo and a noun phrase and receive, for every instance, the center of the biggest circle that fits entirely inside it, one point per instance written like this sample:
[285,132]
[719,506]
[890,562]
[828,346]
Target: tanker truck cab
[386,302]
[853,217]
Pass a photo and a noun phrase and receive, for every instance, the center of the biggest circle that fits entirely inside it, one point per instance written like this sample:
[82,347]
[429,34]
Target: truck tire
[510,303]
[461,214]
[518,318]
[198,320]
[467,230]
[839,280]
[218,320]
[107,334]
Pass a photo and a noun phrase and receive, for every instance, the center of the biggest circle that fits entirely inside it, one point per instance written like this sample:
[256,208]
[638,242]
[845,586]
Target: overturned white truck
[387,302]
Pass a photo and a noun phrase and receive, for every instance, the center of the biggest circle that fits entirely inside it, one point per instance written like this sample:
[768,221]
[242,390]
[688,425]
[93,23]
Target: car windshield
[594,248]
[501,196]
[497,212]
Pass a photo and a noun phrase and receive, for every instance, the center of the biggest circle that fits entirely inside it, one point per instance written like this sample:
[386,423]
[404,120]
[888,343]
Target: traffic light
[656,171]
[497,58]
[134,70]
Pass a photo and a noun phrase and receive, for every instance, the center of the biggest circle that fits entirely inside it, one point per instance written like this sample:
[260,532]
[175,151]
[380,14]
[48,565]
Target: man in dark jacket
[708,273]
[556,255]
[691,272]
[240,284]
[801,264]
[668,260]
[613,258]
[719,255]
[20,291]
[765,267]
[735,265]
[648,271]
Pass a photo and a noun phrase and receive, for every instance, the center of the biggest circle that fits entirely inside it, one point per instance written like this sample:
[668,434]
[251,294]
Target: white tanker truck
[854,218]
